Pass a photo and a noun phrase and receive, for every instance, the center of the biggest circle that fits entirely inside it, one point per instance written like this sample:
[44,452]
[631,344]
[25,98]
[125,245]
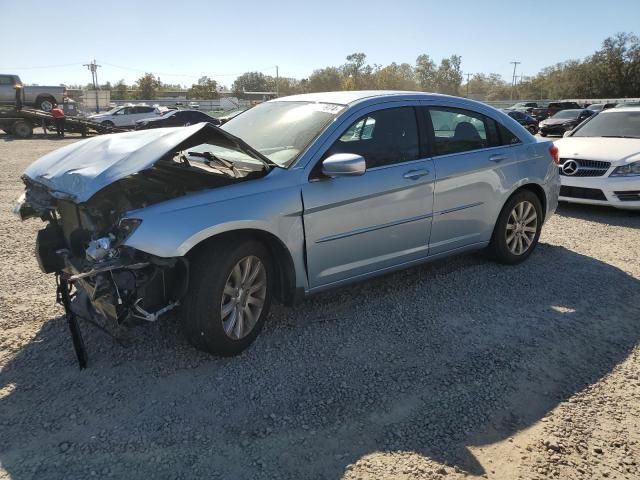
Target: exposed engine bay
[84,242]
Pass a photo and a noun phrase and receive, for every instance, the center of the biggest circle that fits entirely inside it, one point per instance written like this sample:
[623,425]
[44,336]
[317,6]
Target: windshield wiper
[209,158]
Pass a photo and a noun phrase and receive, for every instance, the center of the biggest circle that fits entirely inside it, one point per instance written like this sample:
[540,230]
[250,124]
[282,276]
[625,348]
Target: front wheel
[229,296]
[108,123]
[517,230]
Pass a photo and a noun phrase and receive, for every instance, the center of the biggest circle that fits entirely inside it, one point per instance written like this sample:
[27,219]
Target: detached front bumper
[618,192]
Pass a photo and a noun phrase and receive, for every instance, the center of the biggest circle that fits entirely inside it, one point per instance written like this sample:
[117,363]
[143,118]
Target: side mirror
[344,165]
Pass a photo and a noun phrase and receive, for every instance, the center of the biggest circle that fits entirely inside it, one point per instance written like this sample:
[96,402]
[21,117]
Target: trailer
[21,122]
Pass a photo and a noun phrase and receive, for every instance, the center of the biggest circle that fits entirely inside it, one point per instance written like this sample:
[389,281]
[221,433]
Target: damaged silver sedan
[292,197]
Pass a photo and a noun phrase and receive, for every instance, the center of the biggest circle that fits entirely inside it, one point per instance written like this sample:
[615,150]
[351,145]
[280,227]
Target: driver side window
[383,137]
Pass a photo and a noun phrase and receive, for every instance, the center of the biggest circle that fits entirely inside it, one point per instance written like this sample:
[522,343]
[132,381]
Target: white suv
[125,116]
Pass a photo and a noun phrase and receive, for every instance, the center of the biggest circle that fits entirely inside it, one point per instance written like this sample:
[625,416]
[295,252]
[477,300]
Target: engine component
[99,249]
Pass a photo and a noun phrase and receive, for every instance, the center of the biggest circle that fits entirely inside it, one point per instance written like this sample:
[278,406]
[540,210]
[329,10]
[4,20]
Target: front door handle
[497,158]
[415,174]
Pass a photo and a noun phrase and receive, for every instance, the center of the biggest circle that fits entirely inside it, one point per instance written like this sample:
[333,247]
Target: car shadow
[431,360]
[601,214]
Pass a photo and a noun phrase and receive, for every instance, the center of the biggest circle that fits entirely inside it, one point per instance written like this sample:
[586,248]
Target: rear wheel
[517,230]
[45,103]
[22,129]
[229,296]
[542,134]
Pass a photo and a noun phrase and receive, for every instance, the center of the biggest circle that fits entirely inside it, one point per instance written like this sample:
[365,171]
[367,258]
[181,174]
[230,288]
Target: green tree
[449,75]
[252,82]
[425,72]
[205,89]
[358,71]
[325,80]
[120,91]
[147,86]
[395,77]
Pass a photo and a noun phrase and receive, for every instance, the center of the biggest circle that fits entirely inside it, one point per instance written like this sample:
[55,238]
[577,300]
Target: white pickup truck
[32,96]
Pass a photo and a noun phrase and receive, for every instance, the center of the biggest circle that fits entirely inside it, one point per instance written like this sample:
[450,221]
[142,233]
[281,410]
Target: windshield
[612,124]
[567,114]
[282,130]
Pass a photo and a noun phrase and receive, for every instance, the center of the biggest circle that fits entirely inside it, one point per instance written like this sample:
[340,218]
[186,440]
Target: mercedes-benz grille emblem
[570,167]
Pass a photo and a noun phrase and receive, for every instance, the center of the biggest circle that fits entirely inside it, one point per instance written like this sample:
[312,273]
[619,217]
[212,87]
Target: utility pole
[93,68]
[468,76]
[513,80]
[277,81]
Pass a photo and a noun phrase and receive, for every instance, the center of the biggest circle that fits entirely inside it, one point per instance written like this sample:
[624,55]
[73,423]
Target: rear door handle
[415,174]
[497,158]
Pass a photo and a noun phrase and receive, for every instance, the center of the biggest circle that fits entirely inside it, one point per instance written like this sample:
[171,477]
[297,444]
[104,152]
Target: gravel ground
[457,369]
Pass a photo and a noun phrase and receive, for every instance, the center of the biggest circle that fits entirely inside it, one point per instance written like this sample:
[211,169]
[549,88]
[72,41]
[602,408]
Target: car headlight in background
[628,170]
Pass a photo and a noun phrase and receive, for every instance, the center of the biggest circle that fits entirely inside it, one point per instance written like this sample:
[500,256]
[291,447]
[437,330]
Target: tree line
[613,71]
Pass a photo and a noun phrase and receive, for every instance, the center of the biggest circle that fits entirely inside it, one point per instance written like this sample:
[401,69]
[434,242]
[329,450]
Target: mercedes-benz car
[295,196]
[600,160]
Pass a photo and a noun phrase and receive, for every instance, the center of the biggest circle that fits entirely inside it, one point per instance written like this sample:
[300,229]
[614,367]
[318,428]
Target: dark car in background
[542,113]
[527,121]
[598,107]
[526,107]
[564,121]
[176,118]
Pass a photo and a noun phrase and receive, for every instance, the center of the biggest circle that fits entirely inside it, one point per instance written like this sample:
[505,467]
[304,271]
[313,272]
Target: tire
[533,130]
[543,134]
[502,247]
[211,288]
[45,103]
[22,129]
[108,123]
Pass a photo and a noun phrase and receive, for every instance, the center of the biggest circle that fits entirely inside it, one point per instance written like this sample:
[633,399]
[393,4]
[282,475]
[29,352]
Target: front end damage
[100,278]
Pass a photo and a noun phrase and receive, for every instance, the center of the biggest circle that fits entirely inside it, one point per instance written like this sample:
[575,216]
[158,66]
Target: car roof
[633,108]
[354,96]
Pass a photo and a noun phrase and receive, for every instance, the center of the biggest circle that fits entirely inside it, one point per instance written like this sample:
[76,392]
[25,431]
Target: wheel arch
[284,269]
[44,96]
[538,191]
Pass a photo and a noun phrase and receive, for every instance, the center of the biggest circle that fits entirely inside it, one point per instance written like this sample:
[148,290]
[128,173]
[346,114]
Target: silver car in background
[294,196]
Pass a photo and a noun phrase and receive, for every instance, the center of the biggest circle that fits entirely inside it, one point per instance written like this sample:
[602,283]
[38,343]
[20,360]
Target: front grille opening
[585,193]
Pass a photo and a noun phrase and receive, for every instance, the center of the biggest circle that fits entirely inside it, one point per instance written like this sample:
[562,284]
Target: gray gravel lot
[456,369]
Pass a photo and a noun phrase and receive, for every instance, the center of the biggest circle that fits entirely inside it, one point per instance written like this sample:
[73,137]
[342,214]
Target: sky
[183,40]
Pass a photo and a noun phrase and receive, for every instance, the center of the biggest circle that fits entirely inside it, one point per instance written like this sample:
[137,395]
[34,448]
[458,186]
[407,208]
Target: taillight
[555,154]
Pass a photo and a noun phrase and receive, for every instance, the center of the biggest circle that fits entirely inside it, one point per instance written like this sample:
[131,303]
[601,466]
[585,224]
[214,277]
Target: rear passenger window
[506,136]
[459,130]
[383,138]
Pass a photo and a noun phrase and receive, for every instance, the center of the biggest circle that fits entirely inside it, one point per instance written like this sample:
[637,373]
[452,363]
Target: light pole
[468,76]
[513,80]
[93,67]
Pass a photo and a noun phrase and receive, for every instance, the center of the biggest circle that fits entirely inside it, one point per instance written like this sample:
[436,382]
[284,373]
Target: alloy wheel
[522,227]
[243,297]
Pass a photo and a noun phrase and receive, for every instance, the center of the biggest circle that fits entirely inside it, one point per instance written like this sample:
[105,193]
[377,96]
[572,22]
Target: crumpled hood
[78,171]
[599,148]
